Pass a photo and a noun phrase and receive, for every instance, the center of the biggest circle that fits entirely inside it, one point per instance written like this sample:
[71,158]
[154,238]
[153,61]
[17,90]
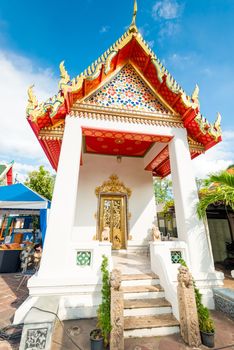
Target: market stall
[23,220]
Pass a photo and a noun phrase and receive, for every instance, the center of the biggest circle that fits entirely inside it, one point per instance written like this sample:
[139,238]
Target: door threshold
[119,251]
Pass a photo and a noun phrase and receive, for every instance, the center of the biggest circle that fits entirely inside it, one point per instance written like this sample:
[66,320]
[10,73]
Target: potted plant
[206,324]
[99,337]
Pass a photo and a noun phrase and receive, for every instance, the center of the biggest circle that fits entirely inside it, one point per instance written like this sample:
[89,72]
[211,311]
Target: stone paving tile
[80,335]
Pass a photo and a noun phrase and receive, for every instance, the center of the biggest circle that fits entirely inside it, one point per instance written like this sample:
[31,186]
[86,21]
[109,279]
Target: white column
[190,228]
[64,202]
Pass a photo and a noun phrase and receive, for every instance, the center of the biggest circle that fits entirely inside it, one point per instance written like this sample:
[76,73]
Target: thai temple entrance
[113,217]
[116,125]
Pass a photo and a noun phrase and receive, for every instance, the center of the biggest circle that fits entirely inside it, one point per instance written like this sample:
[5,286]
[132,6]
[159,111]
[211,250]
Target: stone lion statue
[106,234]
[156,235]
[184,277]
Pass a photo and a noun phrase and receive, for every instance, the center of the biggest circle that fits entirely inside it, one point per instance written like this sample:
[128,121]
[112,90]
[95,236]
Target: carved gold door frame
[113,214]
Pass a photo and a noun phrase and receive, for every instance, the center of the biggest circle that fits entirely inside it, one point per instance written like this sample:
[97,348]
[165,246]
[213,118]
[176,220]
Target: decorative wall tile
[224,302]
[127,91]
[176,255]
[83,258]
[36,338]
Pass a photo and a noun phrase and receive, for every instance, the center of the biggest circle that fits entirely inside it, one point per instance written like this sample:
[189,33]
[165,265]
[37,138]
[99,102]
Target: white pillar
[64,202]
[190,228]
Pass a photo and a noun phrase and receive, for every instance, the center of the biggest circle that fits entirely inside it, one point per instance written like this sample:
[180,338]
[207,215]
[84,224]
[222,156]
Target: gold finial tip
[217,122]
[195,93]
[134,14]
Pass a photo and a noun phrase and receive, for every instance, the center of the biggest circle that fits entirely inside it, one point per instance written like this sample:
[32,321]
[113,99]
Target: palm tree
[219,189]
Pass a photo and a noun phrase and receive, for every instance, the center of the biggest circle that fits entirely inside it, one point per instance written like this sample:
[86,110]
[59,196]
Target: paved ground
[10,300]
[79,331]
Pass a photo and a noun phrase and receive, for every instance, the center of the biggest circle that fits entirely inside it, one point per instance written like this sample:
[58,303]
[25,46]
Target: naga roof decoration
[130,49]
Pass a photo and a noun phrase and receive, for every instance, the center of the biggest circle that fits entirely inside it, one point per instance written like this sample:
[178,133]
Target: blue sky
[194,39]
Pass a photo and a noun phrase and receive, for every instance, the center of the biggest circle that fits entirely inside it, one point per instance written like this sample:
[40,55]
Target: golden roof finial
[133,24]
[32,100]
[195,94]
[65,78]
[217,123]
[31,96]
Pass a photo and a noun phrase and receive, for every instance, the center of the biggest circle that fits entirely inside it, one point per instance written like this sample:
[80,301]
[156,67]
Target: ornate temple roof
[73,95]
[6,174]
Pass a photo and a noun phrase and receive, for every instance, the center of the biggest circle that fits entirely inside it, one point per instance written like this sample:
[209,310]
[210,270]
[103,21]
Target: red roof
[129,49]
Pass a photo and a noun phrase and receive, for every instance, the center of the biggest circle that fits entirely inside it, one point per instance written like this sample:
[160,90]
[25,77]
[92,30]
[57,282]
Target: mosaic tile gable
[127,91]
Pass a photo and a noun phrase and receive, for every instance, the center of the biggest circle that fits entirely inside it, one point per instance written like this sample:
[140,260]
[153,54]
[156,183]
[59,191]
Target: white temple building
[107,132]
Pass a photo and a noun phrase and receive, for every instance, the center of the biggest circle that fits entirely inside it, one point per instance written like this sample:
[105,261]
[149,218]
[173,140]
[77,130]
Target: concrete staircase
[146,311]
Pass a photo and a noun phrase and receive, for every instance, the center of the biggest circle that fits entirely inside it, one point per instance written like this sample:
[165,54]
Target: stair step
[164,320]
[146,326]
[145,303]
[148,311]
[140,276]
[148,282]
[142,289]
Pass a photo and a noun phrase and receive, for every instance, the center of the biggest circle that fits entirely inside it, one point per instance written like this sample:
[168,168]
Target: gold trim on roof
[51,133]
[214,130]
[94,70]
[115,114]
[113,185]
[195,146]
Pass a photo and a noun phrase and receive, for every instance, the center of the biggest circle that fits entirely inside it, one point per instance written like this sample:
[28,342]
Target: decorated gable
[127,90]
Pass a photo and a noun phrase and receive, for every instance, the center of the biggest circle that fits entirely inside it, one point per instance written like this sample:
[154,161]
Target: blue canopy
[19,196]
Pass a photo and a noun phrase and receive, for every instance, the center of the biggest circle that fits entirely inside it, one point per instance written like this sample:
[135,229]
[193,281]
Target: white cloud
[217,158]
[17,141]
[104,29]
[169,29]
[177,58]
[166,9]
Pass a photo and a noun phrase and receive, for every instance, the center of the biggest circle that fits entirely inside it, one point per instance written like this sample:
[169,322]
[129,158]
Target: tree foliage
[162,190]
[219,188]
[41,181]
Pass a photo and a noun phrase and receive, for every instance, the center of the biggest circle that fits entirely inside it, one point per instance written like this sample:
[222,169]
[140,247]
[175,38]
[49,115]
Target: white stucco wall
[95,170]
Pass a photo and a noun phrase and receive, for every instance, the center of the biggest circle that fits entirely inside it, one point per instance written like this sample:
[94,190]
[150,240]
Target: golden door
[113,215]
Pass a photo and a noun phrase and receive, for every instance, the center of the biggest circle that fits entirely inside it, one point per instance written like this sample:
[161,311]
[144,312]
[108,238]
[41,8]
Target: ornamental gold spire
[65,78]
[195,94]
[217,123]
[32,100]
[31,96]
[133,24]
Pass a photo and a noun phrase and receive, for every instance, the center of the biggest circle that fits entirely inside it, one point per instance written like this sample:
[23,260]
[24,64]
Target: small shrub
[103,314]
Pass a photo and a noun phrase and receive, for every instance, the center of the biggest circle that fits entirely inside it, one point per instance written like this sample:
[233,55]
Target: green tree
[162,190]
[41,181]
[219,188]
